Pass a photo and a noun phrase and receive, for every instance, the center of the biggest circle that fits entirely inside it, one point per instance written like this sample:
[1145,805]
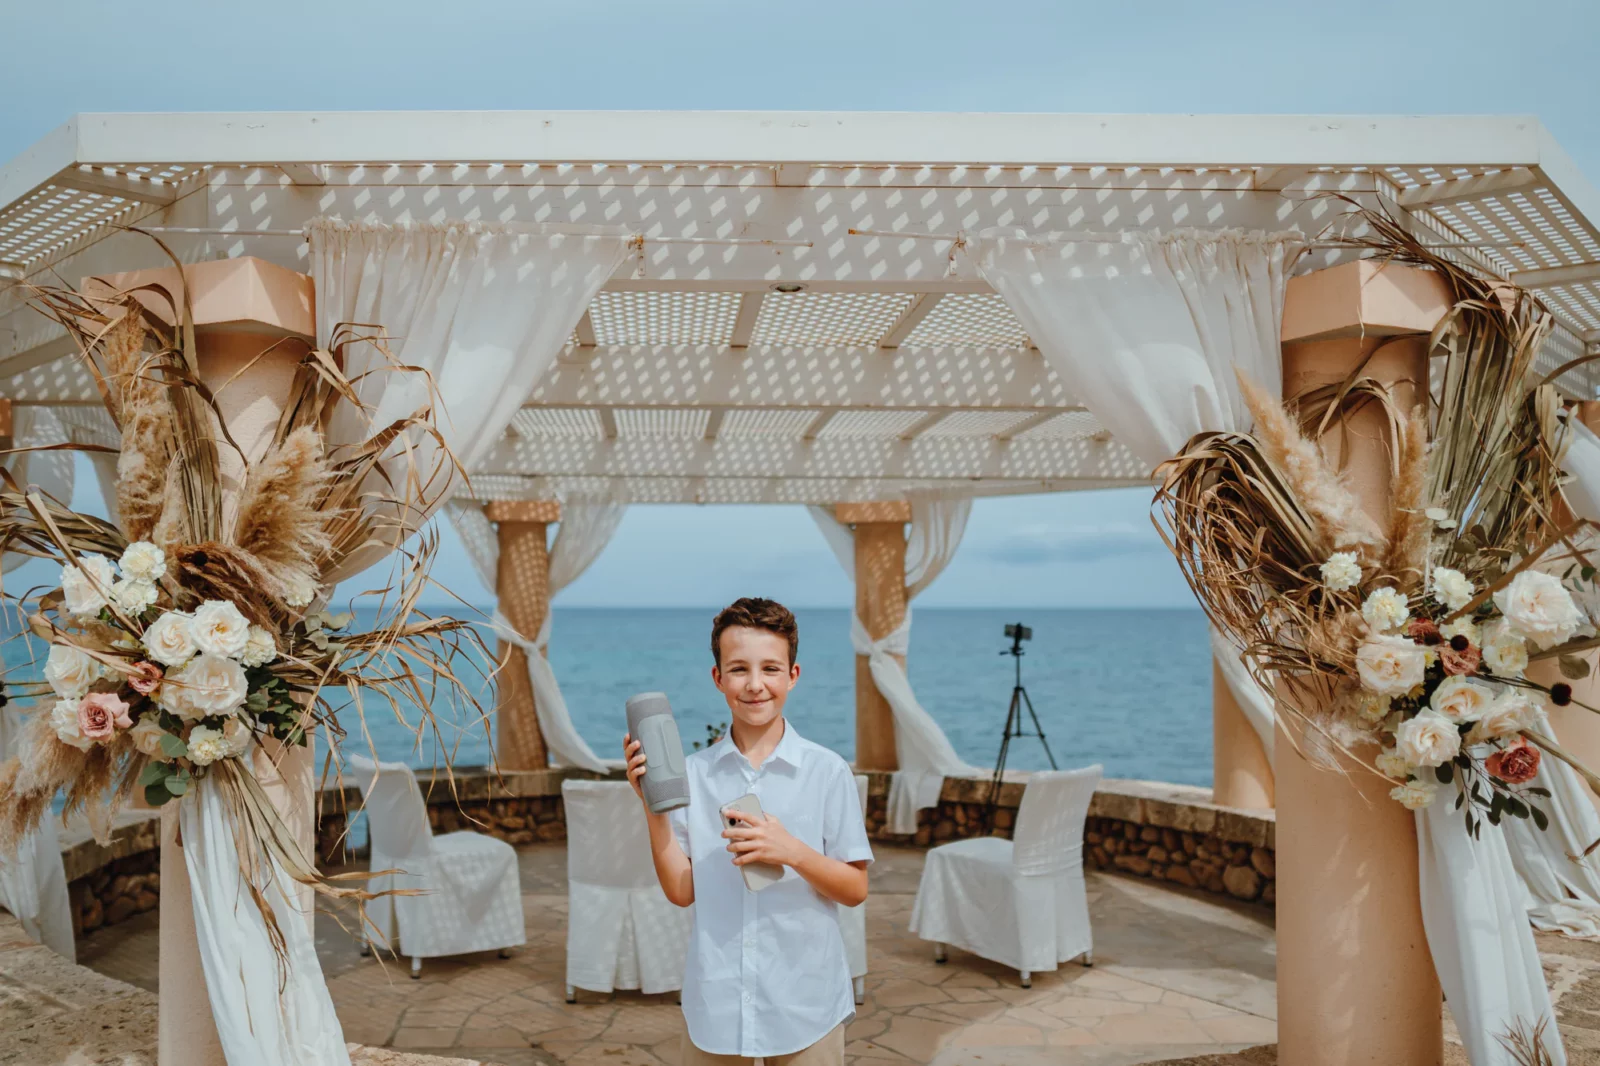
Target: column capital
[227,295]
[1364,298]
[879,511]
[523,510]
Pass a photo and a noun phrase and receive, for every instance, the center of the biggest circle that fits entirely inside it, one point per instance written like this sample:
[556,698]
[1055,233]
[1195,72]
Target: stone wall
[115,892]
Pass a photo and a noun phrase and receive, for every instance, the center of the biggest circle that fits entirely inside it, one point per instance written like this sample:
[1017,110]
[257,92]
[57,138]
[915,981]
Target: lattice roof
[698,373]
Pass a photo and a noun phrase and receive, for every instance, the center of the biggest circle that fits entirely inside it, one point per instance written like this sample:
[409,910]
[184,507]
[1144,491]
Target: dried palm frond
[1526,1043]
[1410,529]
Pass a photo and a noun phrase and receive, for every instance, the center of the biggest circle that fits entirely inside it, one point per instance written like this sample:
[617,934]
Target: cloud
[1032,545]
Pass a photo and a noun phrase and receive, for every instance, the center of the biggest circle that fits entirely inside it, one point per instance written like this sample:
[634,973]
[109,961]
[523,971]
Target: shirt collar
[789,750]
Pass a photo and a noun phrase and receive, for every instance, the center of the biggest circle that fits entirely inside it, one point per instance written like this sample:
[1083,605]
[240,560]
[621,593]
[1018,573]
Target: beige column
[242,308]
[1356,983]
[1241,776]
[880,565]
[522,584]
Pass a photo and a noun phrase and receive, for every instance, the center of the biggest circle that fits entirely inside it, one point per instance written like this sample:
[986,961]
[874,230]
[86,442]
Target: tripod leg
[1013,715]
[1036,727]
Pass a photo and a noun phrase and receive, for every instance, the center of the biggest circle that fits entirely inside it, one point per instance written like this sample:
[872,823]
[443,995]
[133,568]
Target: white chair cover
[622,932]
[1021,902]
[472,899]
[853,920]
[925,755]
[586,527]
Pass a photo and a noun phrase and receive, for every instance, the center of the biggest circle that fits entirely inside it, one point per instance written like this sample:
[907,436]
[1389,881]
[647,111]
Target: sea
[1128,689]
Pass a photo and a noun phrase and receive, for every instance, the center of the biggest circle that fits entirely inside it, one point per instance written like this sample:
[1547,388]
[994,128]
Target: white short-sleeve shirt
[766,972]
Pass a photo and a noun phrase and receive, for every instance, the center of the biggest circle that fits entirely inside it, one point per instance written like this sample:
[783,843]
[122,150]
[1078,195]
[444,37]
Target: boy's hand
[633,752]
[761,839]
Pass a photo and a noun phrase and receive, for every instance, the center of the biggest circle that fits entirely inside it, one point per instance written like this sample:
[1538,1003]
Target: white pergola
[796,323]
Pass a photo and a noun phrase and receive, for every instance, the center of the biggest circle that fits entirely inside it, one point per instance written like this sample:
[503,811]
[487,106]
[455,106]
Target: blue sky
[1091,549]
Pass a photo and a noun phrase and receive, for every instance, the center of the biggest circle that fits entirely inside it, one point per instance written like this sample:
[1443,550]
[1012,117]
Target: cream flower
[1510,713]
[146,736]
[143,561]
[168,639]
[1414,795]
[84,587]
[236,735]
[64,720]
[1461,700]
[1538,608]
[1390,665]
[1372,706]
[1462,627]
[1504,653]
[133,597]
[1341,572]
[302,590]
[207,685]
[1451,588]
[260,649]
[1429,739]
[1385,609]
[71,671]
[207,745]
[219,629]
[1390,764]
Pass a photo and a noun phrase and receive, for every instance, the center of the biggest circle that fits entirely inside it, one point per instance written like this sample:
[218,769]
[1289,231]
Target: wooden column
[880,564]
[1241,775]
[522,585]
[1356,982]
[242,308]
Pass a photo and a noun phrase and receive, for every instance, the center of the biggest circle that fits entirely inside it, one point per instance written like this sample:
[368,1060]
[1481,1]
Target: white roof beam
[714,422]
[669,488]
[1038,418]
[910,319]
[305,173]
[120,185]
[608,423]
[815,426]
[1551,277]
[1462,190]
[923,424]
[744,323]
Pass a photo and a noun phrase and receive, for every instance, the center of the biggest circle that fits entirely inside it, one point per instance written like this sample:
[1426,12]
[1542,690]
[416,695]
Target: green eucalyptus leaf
[173,746]
[153,772]
[177,784]
[1540,819]
[156,795]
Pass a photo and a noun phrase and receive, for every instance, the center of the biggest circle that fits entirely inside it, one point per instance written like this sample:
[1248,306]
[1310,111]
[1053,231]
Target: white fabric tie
[1257,704]
[561,737]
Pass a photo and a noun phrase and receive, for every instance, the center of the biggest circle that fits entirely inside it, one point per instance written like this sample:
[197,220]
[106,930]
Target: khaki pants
[829,1051]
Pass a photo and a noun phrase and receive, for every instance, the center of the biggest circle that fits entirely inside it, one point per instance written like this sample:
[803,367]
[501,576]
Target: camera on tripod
[1017,632]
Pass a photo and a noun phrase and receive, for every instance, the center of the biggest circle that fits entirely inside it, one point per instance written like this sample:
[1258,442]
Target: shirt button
[747,997]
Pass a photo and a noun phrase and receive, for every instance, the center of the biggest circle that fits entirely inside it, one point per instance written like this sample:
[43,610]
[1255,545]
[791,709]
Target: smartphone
[757,875]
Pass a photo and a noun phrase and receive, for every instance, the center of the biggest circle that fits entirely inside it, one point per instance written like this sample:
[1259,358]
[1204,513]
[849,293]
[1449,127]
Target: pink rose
[144,678]
[101,714]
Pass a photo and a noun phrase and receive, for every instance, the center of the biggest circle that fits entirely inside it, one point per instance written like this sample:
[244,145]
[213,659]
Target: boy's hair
[755,613]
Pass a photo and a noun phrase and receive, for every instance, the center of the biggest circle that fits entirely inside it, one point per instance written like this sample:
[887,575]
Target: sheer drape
[924,753]
[586,527]
[484,309]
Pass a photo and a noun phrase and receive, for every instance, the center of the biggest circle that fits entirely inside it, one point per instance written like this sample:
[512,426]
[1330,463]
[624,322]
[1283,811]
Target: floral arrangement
[190,638]
[1403,641]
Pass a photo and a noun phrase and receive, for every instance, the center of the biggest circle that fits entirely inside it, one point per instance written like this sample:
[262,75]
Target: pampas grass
[280,521]
[1410,529]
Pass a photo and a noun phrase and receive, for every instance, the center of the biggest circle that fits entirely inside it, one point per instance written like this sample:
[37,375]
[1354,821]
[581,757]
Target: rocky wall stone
[115,892]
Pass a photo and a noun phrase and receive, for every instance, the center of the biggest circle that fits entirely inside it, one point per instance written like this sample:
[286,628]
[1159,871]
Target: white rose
[1510,713]
[168,639]
[236,734]
[207,745]
[1414,795]
[71,671]
[219,629]
[1341,572]
[1451,588]
[1461,700]
[205,686]
[84,587]
[1538,608]
[143,561]
[1385,609]
[1462,627]
[1390,666]
[133,597]
[1429,739]
[64,720]
[146,736]
[1390,764]
[1504,653]
[260,649]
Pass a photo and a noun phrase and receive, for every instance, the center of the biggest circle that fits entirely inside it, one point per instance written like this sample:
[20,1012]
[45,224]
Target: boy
[766,975]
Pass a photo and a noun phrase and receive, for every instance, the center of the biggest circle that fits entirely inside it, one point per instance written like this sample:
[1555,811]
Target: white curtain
[586,527]
[1148,328]
[1563,886]
[33,881]
[484,309]
[924,753]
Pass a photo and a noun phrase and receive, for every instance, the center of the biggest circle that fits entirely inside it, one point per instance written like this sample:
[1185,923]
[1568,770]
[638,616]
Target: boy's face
[755,674]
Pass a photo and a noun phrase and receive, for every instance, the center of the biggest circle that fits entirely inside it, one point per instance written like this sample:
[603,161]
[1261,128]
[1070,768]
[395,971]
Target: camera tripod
[1013,727]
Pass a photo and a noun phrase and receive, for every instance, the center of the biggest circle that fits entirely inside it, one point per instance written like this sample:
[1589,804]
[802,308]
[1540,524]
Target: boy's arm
[766,840]
[673,868]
